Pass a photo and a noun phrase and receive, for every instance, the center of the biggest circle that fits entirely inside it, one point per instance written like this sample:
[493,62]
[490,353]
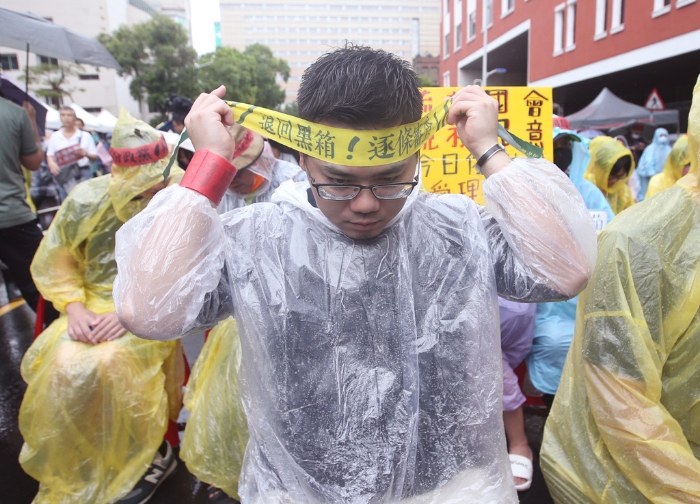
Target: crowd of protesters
[353,348]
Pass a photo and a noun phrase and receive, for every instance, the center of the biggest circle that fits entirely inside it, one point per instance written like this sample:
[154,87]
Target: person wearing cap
[367,310]
[259,175]
[610,167]
[554,322]
[677,166]
[625,424]
[98,398]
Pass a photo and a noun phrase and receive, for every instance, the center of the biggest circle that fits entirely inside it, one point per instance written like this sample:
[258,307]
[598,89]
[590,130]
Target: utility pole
[484,58]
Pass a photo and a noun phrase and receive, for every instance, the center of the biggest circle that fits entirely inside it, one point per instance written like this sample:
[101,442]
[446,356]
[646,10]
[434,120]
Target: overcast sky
[203,15]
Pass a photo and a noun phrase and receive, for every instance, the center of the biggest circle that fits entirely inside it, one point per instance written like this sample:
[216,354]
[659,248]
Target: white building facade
[299,31]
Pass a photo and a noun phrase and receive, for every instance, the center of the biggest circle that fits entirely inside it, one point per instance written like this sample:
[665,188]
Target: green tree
[51,81]
[158,57]
[249,76]
[426,81]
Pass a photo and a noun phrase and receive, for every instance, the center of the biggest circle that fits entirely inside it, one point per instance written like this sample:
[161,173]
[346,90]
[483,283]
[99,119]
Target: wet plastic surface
[16,330]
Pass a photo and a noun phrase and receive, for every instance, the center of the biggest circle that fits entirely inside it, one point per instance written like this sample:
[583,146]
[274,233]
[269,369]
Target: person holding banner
[625,425]
[70,151]
[367,311]
[98,398]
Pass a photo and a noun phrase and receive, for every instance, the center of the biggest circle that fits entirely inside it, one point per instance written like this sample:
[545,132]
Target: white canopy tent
[103,123]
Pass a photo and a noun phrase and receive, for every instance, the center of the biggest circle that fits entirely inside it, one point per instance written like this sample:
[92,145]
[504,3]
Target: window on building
[45,60]
[447,45]
[601,19]
[559,29]
[489,13]
[458,37]
[446,79]
[507,6]
[683,3]
[447,6]
[661,7]
[570,25]
[89,77]
[471,34]
[471,20]
[618,16]
[93,110]
[9,62]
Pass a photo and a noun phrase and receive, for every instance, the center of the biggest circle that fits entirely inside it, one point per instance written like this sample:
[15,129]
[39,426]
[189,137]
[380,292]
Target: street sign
[654,102]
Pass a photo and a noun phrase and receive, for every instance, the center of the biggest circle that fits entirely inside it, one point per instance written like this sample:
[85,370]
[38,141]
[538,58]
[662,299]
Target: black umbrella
[24,30]
[11,91]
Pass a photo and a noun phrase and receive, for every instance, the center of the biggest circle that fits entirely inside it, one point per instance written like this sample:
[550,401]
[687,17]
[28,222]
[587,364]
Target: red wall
[640,30]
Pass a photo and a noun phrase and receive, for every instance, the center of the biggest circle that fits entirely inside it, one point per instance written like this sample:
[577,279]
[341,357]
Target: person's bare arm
[33,161]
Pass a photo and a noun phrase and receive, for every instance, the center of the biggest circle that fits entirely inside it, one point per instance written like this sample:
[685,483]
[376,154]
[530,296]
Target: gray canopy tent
[608,111]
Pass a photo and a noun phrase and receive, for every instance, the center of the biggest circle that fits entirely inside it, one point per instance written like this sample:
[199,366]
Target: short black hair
[360,87]
[624,163]
[179,106]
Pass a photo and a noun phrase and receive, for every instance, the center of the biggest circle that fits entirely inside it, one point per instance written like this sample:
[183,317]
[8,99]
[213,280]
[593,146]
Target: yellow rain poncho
[625,425]
[93,416]
[673,169]
[605,152]
[217,430]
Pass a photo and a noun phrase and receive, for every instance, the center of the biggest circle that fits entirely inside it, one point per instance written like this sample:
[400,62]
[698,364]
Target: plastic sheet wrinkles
[625,426]
[605,152]
[274,171]
[75,450]
[370,370]
[673,169]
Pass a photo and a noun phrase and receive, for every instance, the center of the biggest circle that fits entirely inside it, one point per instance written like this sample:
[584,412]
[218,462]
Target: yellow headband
[350,147]
[338,145]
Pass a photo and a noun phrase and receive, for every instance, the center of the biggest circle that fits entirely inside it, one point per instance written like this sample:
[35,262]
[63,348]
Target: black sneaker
[163,464]
[217,496]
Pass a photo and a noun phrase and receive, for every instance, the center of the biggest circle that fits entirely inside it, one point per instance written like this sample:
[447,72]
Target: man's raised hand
[207,124]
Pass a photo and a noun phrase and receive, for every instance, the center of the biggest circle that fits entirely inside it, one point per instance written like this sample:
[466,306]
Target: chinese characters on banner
[68,155]
[447,165]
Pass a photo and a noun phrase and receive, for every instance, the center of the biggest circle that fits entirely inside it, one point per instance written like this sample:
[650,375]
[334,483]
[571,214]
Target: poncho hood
[692,180]
[128,182]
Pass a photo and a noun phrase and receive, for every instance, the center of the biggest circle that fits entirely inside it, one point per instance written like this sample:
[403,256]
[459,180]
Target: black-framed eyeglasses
[345,192]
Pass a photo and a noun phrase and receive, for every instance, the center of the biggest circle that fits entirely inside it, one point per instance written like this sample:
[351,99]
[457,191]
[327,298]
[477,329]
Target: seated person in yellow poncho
[610,167]
[98,398]
[625,425]
[677,165]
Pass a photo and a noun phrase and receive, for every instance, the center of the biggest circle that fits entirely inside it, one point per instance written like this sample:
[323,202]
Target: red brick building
[577,47]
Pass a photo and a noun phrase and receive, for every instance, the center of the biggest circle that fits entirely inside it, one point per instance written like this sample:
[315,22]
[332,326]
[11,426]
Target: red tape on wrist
[209,174]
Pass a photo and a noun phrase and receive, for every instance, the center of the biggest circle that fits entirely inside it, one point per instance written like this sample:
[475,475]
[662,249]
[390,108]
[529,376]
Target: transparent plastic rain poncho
[554,323]
[274,171]
[653,160]
[93,416]
[216,435]
[673,169]
[625,426]
[370,370]
[605,152]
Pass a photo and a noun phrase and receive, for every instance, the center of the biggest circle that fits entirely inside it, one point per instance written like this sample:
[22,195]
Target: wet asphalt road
[16,332]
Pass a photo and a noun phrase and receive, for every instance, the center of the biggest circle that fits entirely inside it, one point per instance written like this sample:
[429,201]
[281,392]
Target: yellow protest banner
[448,167]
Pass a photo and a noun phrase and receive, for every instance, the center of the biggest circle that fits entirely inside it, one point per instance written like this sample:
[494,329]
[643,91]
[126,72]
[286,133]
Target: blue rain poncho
[652,161]
[370,369]
[625,425]
[554,323]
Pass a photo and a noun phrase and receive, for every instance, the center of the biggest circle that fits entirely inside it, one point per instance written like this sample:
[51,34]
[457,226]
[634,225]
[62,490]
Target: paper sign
[67,156]
[600,219]
[448,167]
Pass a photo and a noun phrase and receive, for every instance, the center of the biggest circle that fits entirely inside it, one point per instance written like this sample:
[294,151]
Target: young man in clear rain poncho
[98,398]
[625,425]
[371,367]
